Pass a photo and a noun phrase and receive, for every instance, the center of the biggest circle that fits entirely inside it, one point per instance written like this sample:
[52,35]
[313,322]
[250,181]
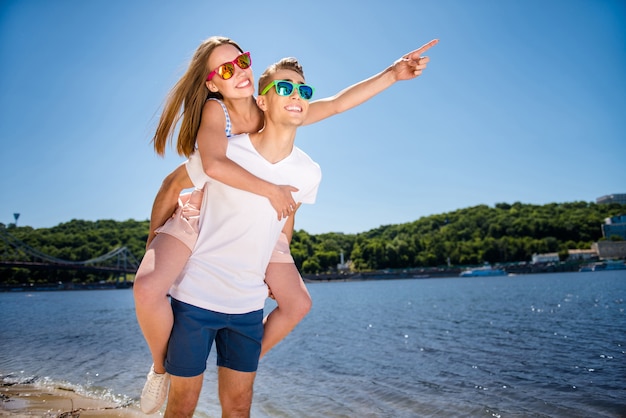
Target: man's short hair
[289,63]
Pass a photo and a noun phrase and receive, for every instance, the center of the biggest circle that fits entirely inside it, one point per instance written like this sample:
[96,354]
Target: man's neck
[274,143]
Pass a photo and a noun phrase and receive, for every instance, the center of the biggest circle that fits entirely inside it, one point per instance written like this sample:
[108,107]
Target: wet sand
[21,400]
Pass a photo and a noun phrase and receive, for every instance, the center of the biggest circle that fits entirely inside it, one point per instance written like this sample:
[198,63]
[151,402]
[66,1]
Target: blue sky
[523,101]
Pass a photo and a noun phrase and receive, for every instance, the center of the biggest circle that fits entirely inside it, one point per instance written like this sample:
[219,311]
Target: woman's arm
[212,144]
[407,67]
[166,200]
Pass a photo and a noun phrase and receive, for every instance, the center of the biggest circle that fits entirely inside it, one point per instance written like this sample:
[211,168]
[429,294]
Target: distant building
[612,198]
[546,258]
[610,249]
[574,254]
[615,225]
[343,267]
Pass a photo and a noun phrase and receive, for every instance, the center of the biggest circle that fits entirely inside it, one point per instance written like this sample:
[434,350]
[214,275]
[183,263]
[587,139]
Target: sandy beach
[21,400]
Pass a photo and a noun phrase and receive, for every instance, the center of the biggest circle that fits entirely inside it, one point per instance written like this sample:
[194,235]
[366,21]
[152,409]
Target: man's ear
[261,101]
[211,86]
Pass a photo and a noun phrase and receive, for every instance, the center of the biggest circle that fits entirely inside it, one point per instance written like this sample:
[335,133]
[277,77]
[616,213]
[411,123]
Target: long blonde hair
[186,100]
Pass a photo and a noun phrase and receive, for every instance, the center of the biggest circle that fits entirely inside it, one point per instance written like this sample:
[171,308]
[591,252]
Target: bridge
[15,253]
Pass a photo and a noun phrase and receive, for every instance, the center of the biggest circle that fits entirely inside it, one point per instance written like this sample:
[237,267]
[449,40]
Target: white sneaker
[154,391]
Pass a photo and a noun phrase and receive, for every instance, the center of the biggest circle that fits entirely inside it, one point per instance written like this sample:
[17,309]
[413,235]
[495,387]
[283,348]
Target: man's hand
[412,64]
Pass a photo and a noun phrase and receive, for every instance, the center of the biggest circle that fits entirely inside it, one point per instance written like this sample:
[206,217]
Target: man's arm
[407,67]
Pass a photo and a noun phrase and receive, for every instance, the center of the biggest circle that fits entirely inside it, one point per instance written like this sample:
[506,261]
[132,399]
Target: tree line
[500,234]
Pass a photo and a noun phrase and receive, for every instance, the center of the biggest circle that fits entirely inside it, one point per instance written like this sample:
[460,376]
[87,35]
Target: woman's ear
[211,86]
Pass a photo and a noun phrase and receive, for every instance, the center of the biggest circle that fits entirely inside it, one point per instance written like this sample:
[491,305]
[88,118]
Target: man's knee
[237,405]
[183,396]
[235,392]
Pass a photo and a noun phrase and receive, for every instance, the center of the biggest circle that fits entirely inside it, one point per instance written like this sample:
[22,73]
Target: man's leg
[183,396]
[238,348]
[187,353]
[235,392]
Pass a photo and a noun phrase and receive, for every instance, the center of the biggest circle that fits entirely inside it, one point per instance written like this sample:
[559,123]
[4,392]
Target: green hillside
[500,234]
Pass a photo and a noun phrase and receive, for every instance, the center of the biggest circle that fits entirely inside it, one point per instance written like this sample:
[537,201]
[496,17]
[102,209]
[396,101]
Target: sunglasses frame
[293,87]
[230,64]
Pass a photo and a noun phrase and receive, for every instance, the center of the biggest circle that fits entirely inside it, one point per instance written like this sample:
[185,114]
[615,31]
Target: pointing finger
[419,51]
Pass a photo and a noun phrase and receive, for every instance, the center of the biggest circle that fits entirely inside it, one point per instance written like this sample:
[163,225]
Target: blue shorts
[237,340]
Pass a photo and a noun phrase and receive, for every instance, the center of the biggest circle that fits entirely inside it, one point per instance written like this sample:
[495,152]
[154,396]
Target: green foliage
[503,233]
[76,240]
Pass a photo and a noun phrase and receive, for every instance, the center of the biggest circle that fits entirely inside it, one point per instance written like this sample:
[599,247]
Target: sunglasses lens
[226,71]
[243,61]
[284,88]
[306,92]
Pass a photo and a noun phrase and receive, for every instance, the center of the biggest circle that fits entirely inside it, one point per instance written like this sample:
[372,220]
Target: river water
[548,345]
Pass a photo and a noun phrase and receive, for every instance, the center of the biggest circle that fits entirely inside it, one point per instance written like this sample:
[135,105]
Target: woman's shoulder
[214,110]
[212,104]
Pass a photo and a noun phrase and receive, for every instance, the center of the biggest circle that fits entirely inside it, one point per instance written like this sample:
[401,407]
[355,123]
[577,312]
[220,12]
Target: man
[221,292]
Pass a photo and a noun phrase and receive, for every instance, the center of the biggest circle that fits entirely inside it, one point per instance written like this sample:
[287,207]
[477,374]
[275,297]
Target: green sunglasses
[285,88]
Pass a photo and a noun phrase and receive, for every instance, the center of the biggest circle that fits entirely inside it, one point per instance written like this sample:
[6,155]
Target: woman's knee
[307,303]
[301,306]
[146,289]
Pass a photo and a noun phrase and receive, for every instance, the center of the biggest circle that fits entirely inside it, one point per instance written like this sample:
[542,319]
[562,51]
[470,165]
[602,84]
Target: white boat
[483,271]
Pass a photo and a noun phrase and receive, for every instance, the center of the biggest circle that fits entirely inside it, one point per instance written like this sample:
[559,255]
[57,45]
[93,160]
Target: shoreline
[28,400]
[518,268]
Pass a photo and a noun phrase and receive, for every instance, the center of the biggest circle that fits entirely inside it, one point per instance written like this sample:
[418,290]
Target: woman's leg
[292,299]
[161,265]
[165,258]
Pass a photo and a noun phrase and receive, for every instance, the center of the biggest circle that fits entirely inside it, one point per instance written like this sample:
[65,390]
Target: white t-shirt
[226,270]
[195,171]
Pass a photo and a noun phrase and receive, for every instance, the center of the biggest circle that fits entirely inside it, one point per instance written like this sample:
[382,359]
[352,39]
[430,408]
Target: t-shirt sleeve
[309,194]
[196,171]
